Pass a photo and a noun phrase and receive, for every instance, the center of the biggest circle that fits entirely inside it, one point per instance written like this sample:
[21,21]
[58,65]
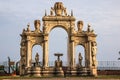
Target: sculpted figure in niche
[80,26]
[37,25]
[80,59]
[37,59]
[23,49]
[94,50]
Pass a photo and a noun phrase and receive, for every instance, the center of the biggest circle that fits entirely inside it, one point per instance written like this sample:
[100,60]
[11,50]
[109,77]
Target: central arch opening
[58,39]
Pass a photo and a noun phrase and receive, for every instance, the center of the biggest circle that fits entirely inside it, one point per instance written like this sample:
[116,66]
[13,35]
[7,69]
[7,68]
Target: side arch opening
[37,49]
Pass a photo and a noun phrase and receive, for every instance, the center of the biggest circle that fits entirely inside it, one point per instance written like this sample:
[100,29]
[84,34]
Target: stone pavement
[70,78]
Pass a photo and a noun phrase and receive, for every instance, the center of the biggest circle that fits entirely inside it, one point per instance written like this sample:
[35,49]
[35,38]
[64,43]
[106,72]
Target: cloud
[103,15]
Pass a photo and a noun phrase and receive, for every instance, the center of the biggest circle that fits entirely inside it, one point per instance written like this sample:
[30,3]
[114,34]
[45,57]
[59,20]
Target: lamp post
[119,57]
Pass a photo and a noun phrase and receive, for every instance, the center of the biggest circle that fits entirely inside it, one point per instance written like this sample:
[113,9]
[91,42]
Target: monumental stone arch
[58,17]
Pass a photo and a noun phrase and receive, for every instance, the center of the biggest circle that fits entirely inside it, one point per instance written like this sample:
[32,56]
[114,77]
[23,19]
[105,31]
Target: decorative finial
[71,12]
[88,29]
[28,27]
[23,30]
[65,12]
[45,13]
[88,25]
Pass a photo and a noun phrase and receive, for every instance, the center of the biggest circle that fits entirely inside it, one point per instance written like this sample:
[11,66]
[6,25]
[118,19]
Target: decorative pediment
[58,10]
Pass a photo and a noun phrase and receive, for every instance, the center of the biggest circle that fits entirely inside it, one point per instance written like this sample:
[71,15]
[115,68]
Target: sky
[102,15]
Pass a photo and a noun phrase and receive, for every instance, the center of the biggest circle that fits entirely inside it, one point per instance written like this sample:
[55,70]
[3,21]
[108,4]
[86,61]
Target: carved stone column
[73,54]
[45,52]
[29,53]
[72,51]
[68,53]
[90,58]
[86,57]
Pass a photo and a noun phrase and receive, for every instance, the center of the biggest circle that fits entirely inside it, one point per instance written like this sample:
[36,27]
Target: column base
[51,72]
[94,72]
[58,72]
[34,71]
[78,72]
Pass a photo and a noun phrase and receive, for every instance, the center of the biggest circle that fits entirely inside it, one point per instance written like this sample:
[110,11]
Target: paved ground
[62,79]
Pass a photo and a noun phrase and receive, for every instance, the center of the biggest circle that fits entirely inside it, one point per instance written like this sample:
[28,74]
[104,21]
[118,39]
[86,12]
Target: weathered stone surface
[58,18]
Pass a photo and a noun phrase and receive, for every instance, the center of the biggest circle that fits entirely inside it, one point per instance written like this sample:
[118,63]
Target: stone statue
[80,59]
[80,26]
[88,29]
[37,25]
[94,50]
[37,58]
[28,27]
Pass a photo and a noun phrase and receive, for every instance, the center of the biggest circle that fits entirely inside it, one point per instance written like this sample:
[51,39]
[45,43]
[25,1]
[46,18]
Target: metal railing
[102,65]
[108,65]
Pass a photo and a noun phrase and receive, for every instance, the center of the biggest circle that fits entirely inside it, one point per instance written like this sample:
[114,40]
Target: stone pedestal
[34,71]
[58,72]
[58,64]
[94,72]
[51,72]
[46,72]
[83,71]
[71,72]
[77,72]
